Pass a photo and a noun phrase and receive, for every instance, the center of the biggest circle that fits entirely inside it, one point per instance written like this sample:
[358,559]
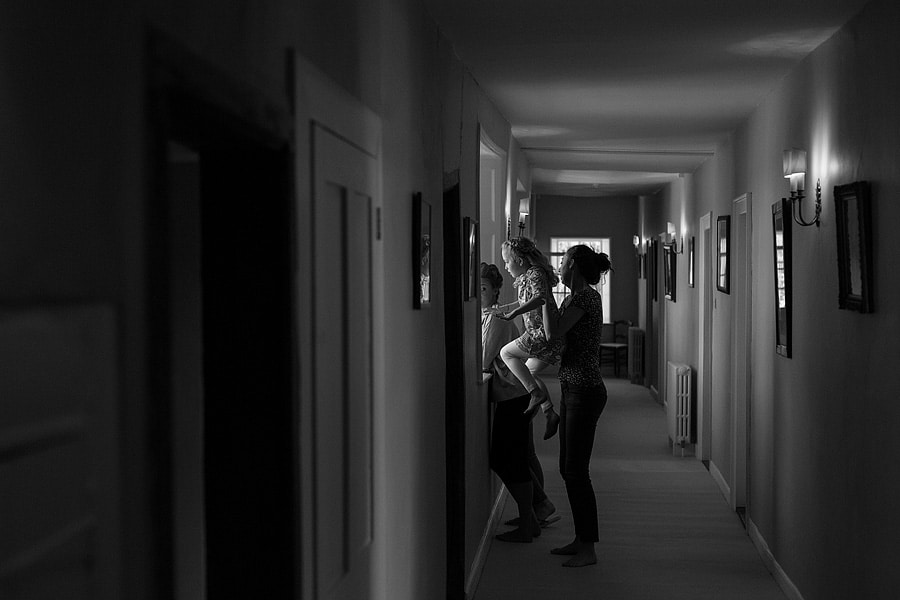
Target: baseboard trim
[720,481]
[485,544]
[790,590]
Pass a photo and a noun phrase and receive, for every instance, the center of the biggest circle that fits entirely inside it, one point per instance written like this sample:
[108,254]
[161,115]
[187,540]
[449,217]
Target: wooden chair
[614,343]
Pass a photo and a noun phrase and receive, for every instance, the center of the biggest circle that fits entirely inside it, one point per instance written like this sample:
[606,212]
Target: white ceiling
[618,97]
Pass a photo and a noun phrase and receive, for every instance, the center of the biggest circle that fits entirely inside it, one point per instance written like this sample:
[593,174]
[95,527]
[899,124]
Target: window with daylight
[558,247]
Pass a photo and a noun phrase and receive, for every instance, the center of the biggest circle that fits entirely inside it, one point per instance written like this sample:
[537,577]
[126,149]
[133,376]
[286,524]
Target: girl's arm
[501,309]
[523,308]
[556,326]
[536,284]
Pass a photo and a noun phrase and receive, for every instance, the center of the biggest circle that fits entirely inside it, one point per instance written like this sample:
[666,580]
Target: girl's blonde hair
[524,249]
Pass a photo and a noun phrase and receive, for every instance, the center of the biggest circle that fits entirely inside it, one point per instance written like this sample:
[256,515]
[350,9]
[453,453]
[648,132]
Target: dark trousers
[509,457]
[579,411]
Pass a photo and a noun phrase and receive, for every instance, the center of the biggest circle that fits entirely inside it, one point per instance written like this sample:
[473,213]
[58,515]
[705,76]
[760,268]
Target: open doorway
[220,322]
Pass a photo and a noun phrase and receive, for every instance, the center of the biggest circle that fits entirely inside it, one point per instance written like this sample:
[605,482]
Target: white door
[339,294]
[342,282]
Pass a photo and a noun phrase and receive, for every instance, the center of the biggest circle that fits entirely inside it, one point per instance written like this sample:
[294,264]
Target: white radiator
[678,403]
[636,354]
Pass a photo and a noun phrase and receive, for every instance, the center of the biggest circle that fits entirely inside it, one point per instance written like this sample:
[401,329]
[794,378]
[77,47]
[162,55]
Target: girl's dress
[533,283]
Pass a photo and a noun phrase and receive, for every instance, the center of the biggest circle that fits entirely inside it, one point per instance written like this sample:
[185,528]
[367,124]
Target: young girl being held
[531,352]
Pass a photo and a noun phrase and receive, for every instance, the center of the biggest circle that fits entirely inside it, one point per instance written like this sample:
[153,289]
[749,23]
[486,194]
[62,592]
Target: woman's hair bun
[592,265]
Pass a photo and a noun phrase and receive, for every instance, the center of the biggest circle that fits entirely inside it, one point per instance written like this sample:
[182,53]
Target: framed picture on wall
[691,262]
[669,271]
[852,205]
[781,240]
[421,252]
[470,243]
[723,274]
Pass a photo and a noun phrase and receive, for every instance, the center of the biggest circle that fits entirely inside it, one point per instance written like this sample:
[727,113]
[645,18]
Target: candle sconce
[794,163]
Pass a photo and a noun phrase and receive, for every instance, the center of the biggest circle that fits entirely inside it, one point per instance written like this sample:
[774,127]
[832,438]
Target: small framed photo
[853,210]
[421,252]
[473,272]
[723,268]
[669,271]
[691,262]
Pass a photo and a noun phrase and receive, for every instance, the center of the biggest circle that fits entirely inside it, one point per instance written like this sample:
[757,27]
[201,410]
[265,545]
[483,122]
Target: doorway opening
[220,324]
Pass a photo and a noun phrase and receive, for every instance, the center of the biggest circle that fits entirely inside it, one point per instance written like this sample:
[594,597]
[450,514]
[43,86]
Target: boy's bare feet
[543,510]
[524,534]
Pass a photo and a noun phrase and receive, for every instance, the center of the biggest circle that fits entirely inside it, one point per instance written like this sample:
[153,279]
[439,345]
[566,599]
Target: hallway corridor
[666,531]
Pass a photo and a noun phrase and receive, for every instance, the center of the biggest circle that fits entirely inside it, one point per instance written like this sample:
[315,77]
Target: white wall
[823,465]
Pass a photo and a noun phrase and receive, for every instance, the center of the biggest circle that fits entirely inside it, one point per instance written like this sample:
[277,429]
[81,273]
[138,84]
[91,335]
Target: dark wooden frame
[421,252]
[669,272]
[853,210]
[691,262]
[471,264]
[723,251]
[782,270]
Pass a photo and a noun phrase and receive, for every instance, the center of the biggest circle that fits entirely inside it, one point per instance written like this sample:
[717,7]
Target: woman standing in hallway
[583,393]
[512,454]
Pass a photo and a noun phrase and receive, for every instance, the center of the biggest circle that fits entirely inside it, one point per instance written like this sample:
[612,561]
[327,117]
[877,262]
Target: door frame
[317,99]
[704,336]
[742,242]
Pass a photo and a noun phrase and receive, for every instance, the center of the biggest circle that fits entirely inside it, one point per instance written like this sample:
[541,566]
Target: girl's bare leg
[515,358]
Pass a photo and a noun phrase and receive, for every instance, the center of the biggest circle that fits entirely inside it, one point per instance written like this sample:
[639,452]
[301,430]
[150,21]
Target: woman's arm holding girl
[557,325]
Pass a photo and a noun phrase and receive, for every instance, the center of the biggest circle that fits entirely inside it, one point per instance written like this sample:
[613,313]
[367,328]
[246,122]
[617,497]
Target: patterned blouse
[533,284]
[581,361]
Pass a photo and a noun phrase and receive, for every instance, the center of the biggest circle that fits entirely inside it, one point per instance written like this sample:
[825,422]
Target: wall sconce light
[794,162]
[636,240]
[671,238]
[524,209]
[524,205]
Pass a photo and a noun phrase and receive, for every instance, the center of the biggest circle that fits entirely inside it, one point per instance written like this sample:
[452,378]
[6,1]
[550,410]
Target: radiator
[678,403]
[636,355]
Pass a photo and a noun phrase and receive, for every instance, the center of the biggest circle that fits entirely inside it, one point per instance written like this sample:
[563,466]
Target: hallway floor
[666,530]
